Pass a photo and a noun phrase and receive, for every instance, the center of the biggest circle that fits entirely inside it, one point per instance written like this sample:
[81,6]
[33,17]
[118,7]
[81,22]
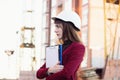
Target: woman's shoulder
[77,44]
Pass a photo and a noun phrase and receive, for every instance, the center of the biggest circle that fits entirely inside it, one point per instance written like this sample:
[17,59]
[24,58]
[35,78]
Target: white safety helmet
[69,16]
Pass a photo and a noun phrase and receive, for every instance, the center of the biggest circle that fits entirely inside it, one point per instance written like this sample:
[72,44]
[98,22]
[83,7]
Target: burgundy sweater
[72,58]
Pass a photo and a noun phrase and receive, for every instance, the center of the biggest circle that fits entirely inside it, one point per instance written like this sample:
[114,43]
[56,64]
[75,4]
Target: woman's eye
[57,26]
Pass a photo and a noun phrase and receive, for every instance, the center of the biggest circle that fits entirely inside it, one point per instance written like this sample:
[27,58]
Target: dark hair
[69,31]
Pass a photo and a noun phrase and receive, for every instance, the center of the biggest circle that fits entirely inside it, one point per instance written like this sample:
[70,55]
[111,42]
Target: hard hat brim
[55,18]
[69,16]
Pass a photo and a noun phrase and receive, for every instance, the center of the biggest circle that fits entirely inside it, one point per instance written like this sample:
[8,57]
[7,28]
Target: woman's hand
[56,68]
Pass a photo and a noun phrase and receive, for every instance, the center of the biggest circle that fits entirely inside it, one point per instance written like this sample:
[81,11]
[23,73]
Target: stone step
[27,75]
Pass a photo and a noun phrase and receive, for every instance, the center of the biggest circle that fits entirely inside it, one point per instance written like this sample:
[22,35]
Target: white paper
[51,56]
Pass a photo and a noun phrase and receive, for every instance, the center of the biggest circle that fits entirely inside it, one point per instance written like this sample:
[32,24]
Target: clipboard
[52,56]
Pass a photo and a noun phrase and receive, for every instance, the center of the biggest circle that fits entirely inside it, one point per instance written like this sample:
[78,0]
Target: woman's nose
[55,31]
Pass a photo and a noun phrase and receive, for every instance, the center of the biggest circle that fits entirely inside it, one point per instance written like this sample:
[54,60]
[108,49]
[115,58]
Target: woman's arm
[42,72]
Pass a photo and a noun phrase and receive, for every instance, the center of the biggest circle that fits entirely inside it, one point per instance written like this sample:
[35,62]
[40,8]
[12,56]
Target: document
[52,56]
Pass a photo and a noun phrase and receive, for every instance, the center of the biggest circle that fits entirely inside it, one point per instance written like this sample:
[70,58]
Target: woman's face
[58,30]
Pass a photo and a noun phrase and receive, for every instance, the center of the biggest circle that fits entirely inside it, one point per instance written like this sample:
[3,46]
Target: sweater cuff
[48,73]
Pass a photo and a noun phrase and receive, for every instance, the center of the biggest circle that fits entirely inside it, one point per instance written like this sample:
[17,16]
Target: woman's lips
[57,34]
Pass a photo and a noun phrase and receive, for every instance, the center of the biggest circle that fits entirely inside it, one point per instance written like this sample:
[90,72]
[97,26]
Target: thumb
[58,62]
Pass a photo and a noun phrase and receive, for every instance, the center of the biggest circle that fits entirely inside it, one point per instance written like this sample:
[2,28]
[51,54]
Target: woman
[67,26]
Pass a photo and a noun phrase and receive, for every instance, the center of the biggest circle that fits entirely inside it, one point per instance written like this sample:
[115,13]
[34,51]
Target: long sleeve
[72,58]
[42,72]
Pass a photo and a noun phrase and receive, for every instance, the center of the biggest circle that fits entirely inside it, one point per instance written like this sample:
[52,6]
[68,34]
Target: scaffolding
[111,24]
[27,46]
[111,38]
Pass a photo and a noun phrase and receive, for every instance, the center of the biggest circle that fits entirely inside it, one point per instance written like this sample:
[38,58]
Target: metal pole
[49,21]
[105,43]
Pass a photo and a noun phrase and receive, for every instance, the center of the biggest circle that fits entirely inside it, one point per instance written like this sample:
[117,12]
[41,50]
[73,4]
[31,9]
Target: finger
[58,63]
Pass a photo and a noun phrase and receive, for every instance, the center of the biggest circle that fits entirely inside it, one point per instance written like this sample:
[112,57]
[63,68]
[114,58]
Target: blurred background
[26,29]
